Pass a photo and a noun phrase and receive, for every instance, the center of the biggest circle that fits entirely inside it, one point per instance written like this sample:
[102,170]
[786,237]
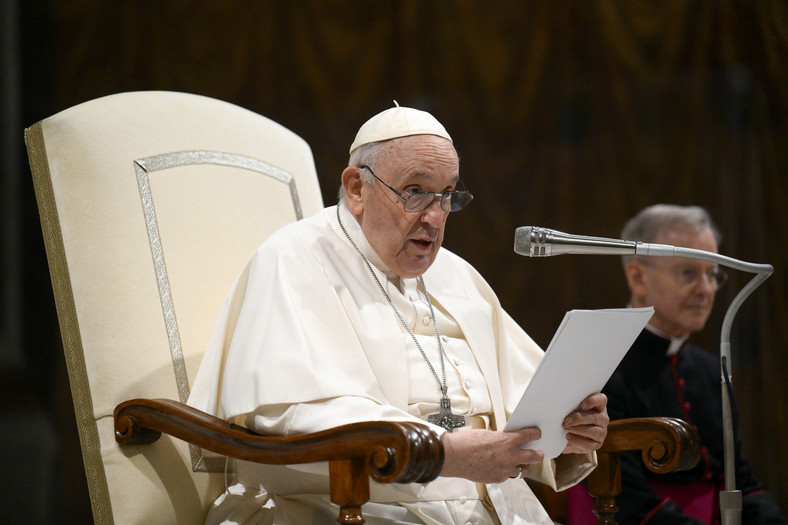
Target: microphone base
[730,507]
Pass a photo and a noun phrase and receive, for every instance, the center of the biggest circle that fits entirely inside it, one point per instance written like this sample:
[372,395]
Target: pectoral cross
[444,418]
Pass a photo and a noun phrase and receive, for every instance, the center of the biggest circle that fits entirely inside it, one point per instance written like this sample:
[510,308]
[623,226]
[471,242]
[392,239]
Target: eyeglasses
[421,200]
[687,275]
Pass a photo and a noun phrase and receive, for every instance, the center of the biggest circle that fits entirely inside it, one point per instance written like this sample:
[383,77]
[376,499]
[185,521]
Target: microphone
[543,242]
[533,241]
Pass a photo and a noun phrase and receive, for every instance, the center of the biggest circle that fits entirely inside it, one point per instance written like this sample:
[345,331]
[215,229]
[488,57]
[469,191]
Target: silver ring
[519,474]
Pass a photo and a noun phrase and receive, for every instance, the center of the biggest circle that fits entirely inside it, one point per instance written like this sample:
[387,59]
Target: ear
[635,272]
[352,184]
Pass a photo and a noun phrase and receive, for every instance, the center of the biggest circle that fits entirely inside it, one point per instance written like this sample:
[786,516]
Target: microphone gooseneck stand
[730,498]
[534,241]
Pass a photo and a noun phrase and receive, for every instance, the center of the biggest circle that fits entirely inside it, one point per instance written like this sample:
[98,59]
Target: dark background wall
[568,114]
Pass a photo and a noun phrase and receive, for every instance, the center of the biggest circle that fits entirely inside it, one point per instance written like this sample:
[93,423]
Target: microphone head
[531,241]
[544,242]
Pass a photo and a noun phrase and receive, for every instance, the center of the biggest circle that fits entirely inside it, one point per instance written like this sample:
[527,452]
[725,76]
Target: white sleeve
[301,418]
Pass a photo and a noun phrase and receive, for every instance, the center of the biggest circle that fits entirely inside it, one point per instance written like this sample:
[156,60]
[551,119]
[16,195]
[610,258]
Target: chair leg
[605,510]
[349,488]
[350,514]
[604,484]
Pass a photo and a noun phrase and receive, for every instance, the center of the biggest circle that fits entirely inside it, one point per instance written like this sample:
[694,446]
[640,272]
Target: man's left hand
[587,426]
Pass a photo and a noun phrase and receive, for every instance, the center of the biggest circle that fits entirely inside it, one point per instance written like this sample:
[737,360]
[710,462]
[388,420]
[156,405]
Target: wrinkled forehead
[420,154]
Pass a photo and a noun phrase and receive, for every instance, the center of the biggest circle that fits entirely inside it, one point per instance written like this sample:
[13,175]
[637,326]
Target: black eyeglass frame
[452,196]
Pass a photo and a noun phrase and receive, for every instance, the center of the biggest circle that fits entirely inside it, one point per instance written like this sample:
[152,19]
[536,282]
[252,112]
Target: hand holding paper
[586,427]
[586,349]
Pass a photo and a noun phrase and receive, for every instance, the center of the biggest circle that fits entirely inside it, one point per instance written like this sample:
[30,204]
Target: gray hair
[366,155]
[646,225]
[363,155]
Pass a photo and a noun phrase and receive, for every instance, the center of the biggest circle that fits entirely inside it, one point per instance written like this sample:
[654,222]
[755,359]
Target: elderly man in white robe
[358,313]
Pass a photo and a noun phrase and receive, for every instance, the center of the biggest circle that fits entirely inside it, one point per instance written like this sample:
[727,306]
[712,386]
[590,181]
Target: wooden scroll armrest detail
[387,451]
[666,445]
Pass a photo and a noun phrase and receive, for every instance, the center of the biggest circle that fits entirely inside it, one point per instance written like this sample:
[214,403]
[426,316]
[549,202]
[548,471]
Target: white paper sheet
[584,353]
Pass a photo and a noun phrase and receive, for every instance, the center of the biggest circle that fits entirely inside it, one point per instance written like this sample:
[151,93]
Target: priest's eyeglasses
[689,275]
[421,200]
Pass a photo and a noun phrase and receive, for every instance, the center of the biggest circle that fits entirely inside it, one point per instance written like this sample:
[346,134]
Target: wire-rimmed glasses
[454,200]
[688,274]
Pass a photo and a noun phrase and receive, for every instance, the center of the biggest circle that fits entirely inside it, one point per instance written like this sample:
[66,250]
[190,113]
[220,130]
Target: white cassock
[306,341]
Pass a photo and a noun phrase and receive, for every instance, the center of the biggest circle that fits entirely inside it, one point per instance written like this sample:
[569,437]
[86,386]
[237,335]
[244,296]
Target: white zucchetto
[398,122]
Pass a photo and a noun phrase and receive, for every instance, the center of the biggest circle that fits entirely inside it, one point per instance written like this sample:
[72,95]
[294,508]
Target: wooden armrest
[387,451]
[666,445]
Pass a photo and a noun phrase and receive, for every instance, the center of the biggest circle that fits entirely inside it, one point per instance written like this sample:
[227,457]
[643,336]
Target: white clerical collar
[675,342]
[354,230]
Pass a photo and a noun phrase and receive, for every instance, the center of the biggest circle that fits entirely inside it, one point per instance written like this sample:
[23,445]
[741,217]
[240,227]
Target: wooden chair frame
[666,445]
[393,452]
[388,452]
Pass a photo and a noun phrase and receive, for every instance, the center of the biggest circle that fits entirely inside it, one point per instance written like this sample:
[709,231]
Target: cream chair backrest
[150,204]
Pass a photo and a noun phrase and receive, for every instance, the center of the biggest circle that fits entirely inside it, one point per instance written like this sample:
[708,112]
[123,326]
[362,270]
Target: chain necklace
[444,417]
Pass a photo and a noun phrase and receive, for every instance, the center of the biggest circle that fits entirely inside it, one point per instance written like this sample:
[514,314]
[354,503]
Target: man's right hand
[488,456]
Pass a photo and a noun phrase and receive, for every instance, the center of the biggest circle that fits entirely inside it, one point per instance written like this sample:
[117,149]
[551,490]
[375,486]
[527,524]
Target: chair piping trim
[172,160]
[69,327]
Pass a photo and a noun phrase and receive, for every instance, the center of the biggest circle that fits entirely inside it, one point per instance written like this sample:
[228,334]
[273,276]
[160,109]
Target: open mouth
[422,244]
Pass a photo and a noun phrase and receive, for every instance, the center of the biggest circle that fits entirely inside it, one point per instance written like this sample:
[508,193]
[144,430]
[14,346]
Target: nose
[434,214]
[707,283]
